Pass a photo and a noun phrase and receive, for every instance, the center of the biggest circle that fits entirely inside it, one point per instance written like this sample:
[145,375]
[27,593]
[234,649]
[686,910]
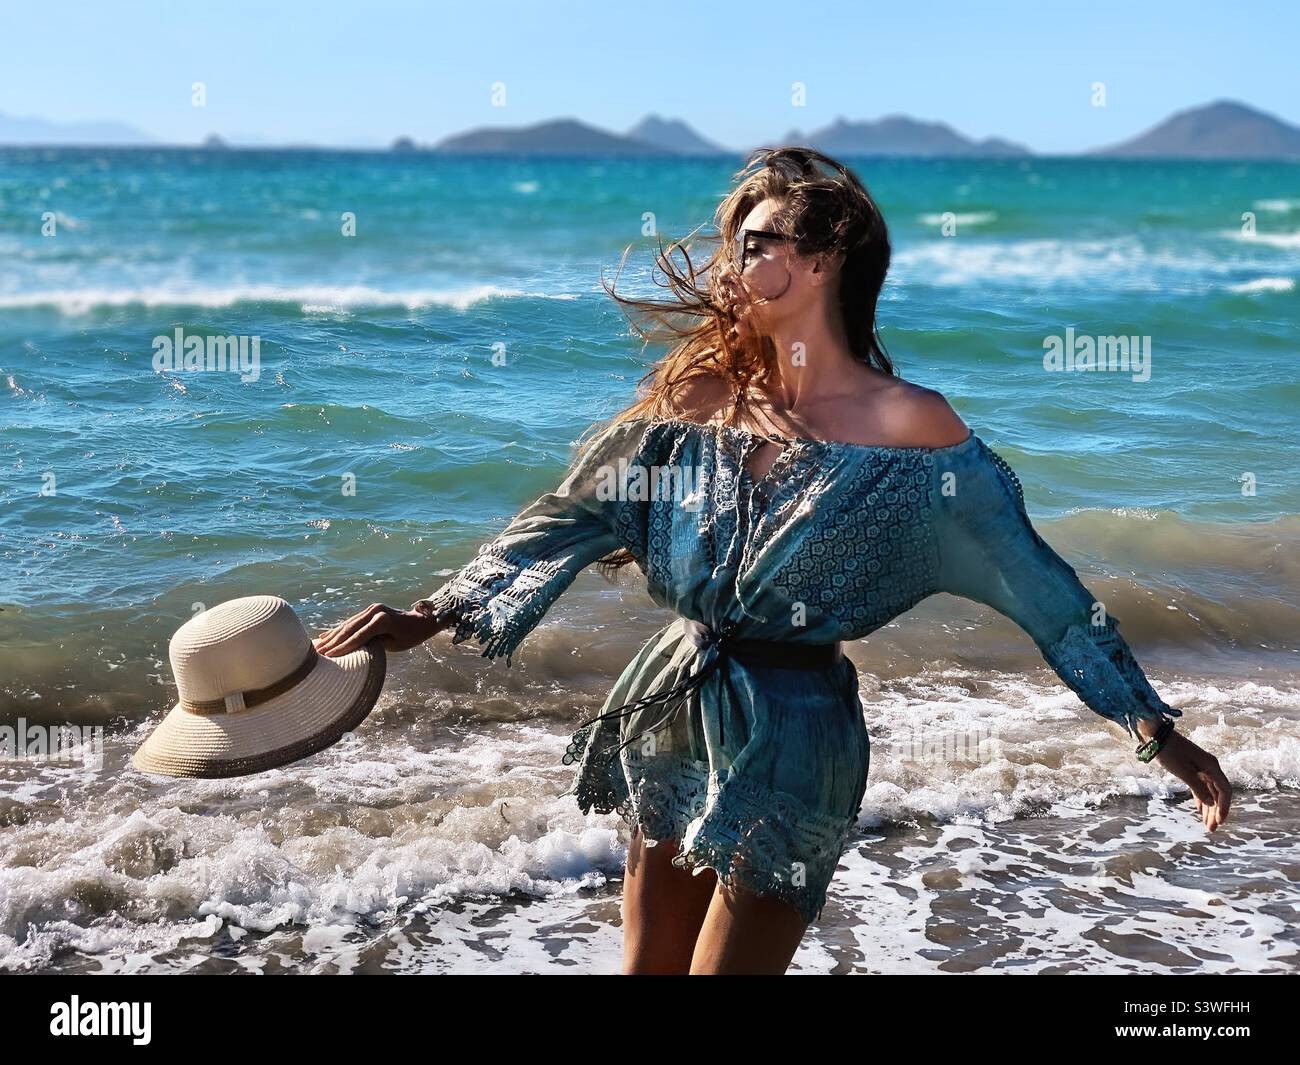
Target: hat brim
[334,698]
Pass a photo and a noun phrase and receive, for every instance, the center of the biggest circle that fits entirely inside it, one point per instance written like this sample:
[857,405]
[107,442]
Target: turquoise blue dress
[758,771]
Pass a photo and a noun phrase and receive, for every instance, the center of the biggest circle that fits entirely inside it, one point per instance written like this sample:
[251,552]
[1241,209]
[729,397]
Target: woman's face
[775,285]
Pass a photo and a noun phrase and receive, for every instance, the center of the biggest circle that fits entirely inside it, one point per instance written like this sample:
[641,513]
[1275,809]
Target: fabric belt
[719,646]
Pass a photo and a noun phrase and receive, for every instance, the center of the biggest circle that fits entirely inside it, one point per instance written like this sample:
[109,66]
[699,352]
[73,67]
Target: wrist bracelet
[1152,747]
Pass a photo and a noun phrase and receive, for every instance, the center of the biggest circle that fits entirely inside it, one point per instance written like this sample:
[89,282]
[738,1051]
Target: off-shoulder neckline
[833,444]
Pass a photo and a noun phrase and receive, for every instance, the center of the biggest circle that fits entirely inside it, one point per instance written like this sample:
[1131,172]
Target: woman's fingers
[329,642]
[1202,791]
[373,629]
[326,640]
[398,630]
[1222,791]
[1217,791]
[1200,771]
[347,621]
[1210,788]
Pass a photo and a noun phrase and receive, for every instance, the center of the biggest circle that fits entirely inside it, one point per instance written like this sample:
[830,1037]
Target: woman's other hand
[398,630]
[1200,771]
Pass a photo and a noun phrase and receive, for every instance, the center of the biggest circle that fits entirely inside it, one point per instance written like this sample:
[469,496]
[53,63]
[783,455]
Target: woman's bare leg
[746,934]
[663,908]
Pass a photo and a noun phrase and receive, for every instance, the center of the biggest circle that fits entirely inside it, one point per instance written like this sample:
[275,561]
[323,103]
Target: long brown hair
[822,212]
[823,208]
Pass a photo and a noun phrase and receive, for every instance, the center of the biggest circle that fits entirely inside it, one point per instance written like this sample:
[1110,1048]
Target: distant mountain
[674,135]
[900,135]
[561,136]
[30,130]
[1224,129]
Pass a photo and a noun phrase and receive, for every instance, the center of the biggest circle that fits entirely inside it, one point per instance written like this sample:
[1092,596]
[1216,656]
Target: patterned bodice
[833,541]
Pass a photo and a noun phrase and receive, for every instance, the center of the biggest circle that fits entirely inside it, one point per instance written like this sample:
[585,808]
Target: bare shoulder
[700,398]
[913,416]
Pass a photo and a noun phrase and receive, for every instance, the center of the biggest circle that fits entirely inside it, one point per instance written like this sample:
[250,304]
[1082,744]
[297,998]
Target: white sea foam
[1078,896]
[311,299]
[1050,747]
[1280,206]
[1272,240]
[388,826]
[1265,284]
[14,387]
[477,819]
[1124,262]
[1121,262]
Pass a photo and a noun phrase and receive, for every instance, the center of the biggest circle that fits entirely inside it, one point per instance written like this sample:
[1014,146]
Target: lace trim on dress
[497,598]
[753,837]
[727,459]
[796,476]
[599,785]
[766,842]
[667,792]
[1099,667]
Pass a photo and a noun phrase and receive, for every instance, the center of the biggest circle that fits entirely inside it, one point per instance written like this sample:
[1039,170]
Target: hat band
[243,700]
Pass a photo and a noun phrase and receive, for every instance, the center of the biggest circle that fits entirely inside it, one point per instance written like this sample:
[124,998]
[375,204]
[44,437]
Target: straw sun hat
[255,694]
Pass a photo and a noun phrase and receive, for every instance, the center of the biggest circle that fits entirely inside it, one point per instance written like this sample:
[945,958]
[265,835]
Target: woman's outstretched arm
[989,551]
[501,594]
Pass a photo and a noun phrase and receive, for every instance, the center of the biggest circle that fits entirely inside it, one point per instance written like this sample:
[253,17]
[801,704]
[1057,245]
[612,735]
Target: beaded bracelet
[1156,743]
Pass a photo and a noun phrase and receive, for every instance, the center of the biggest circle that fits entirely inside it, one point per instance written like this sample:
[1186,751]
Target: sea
[432,336]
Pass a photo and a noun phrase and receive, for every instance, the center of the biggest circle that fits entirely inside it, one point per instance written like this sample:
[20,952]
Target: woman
[783,490]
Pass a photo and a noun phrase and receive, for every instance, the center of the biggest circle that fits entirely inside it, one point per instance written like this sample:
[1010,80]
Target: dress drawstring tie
[719,645]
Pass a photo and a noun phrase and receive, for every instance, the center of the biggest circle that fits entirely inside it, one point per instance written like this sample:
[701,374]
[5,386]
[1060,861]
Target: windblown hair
[823,214]
[824,209]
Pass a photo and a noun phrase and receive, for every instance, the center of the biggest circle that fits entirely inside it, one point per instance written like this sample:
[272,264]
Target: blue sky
[364,73]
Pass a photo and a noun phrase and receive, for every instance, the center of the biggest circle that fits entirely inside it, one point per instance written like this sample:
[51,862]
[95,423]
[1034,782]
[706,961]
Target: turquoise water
[376,356]
[172,488]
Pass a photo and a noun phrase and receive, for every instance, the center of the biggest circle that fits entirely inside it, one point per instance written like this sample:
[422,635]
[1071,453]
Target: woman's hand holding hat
[397,630]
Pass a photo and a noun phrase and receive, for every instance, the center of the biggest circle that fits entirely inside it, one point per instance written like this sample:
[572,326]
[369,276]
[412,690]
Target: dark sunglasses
[742,238]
